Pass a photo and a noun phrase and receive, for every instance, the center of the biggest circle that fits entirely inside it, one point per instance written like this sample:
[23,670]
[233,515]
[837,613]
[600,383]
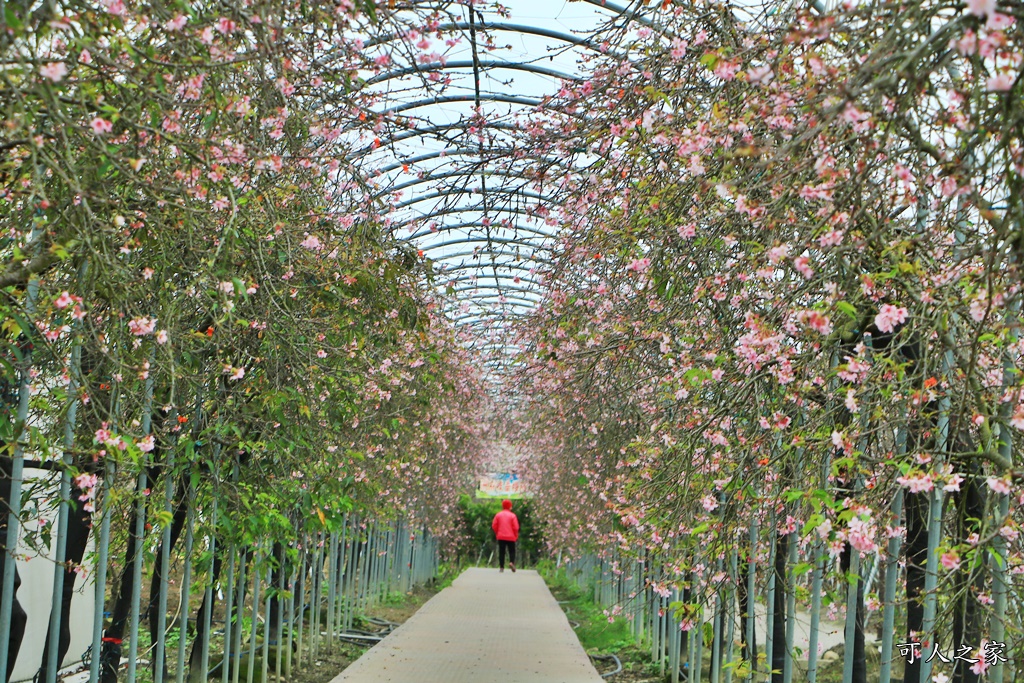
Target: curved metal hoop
[468,64]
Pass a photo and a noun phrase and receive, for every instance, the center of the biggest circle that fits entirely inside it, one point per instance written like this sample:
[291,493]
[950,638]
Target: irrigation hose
[605,658]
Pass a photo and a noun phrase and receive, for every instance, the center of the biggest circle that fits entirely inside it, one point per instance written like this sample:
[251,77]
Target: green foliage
[476,527]
[597,634]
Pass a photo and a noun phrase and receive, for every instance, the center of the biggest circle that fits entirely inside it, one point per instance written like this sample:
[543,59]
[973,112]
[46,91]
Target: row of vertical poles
[253,608]
[273,608]
[648,595]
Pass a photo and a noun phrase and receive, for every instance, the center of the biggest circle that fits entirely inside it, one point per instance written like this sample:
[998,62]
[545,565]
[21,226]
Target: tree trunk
[177,524]
[110,653]
[917,506]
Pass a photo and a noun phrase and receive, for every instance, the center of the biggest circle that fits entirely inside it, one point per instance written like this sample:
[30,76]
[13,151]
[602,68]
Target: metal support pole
[730,619]
[787,671]
[186,586]
[931,576]
[255,620]
[697,653]
[291,622]
[769,628]
[266,625]
[17,468]
[103,552]
[279,626]
[204,660]
[332,578]
[60,553]
[140,532]
[1000,588]
[227,661]
[674,640]
[303,554]
[751,594]
[238,610]
[160,659]
[892,553]
[851,614]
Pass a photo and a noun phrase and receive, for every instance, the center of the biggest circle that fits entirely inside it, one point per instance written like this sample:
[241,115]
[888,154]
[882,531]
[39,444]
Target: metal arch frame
[498,26]
[495,345]
[495,288]
[466,190]
[418,132]
[477,318]
[513,266]
[455,210]
[446,175]
[633,14]
[472,224]
[457,152]
[448,99]
[495,264]
[426,249]
[469,278]
[481,319]
[495,299]
[467,64]
[512,299]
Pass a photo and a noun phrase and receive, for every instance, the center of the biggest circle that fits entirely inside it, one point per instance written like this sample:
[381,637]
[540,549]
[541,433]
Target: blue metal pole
[60,554]
[17,473]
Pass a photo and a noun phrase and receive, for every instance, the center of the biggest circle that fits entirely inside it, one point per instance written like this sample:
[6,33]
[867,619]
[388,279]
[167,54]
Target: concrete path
[487,626]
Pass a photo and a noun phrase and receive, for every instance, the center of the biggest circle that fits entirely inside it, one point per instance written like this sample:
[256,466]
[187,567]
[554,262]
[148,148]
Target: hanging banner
[502,485]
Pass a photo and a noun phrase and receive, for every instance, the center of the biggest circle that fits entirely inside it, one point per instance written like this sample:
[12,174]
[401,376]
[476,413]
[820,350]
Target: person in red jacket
[506,530]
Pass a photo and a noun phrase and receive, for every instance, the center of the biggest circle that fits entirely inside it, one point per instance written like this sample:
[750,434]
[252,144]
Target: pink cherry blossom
[918,482]
[177,23]
[639,265]
[1000,82]
[999,485]
[55,71]
[115,7]
[64,300]
[226,26]
[760,75]
[999,22]
[889,317]
[950,560]
[981,8]
[101,126]
[142,326]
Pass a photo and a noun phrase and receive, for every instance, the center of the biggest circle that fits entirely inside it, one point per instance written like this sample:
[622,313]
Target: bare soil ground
[330,664]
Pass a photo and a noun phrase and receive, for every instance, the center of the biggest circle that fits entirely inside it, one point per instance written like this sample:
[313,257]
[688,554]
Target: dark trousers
[510,546]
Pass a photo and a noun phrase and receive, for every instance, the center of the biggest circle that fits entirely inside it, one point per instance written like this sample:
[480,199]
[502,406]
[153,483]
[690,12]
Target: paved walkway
[485,627]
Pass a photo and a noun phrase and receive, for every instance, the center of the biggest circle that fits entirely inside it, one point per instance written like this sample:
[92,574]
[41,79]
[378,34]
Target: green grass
[596,633]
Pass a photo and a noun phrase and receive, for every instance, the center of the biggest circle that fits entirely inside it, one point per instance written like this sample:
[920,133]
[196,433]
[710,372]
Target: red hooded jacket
[506,524]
